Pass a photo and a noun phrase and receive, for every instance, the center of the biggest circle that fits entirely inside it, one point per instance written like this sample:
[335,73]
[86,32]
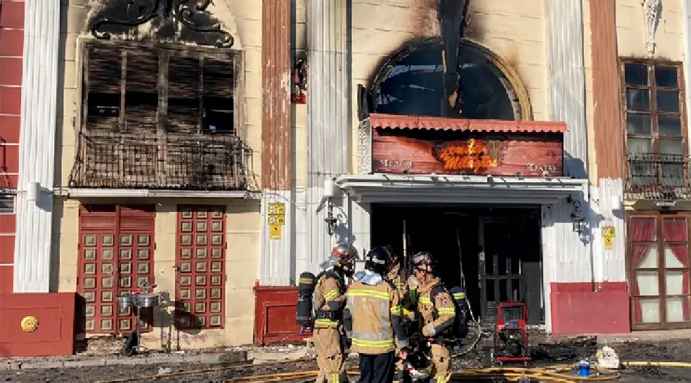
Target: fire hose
[657,364]
[467,347]
[543,374]
[556,374]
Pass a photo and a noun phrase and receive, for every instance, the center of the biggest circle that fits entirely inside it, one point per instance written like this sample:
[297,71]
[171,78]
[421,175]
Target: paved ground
[222,365]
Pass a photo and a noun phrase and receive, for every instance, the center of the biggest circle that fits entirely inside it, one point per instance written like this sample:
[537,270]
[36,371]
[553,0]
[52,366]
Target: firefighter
[437,313]
[328,301]
[372,319]
[394,274]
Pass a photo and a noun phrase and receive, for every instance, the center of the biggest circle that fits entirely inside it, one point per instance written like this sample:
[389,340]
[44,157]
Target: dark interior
[494,253]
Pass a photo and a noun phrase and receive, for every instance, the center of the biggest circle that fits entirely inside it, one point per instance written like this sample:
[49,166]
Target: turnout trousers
[377,368]
[330,356]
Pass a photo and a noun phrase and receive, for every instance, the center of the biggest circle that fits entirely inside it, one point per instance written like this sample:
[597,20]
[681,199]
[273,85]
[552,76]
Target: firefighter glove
[428,330]
[413,283]
[347,342]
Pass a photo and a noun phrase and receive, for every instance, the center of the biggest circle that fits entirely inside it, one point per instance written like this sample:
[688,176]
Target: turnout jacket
[436,307]
[328,300]
[372,316]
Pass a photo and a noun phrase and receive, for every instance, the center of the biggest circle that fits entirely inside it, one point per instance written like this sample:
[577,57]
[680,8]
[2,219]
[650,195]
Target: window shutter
[103,84]
[218,102]
[141,91]
[183,94]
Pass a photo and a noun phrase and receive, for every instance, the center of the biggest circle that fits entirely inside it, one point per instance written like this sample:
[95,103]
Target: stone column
[32,255]
[566,79]
[329,119]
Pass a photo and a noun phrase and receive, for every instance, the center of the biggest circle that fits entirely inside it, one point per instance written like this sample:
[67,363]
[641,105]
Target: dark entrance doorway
[494,253]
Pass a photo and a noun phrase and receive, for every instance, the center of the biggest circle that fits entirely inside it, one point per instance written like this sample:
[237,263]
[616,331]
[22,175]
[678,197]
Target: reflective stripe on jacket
[375,313]
[328,298]
[439,310]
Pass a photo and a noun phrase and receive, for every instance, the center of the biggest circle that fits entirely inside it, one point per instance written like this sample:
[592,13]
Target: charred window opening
[144,88]
[412,83]
[159,116]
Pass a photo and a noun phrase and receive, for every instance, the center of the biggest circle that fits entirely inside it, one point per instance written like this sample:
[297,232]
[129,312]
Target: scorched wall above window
[412,83]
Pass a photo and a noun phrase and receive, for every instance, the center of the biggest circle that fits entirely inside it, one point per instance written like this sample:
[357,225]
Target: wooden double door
[658,270]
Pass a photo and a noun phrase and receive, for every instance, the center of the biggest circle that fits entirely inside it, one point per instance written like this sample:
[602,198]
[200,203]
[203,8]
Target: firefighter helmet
[422,260]
[343,255]
[378,260]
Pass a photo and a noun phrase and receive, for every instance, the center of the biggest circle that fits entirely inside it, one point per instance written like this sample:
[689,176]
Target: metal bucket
[125,301]
[147,300]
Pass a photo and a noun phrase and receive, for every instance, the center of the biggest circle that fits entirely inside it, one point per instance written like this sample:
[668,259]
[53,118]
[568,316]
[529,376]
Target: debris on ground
[238,364]
[567,350]
[607,358]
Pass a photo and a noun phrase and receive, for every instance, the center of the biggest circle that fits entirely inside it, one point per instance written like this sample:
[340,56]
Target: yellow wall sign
[276,219]
[29,323]
[608,235]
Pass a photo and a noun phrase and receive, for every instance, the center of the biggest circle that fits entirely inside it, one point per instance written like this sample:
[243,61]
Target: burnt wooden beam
[452,15]
[277,135]
[609,138]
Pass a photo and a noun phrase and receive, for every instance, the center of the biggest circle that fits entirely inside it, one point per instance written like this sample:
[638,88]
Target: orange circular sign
[29,323]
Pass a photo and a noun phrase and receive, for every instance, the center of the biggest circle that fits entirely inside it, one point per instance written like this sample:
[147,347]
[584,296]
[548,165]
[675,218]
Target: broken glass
[413,84]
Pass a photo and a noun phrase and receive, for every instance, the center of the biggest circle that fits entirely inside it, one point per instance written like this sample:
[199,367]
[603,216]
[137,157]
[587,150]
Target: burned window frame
[161,123]
[514,87]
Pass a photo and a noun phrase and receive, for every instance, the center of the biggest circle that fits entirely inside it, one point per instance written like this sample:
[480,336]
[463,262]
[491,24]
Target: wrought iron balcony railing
[182,162]
[658,177]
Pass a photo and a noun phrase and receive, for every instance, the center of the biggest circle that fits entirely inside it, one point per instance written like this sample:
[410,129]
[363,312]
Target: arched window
[412,83]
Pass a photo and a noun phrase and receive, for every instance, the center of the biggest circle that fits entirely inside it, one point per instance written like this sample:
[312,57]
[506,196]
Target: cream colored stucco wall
[242,18]
[67,233]
[632,30]
[514,30]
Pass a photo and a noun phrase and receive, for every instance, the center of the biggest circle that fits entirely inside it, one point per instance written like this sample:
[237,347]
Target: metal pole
[405,249]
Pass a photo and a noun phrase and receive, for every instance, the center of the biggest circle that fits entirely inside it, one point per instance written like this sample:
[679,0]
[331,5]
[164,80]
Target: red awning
[391,121]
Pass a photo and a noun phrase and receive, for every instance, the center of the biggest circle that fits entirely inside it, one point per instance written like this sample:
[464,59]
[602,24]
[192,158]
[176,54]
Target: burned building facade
[215,150]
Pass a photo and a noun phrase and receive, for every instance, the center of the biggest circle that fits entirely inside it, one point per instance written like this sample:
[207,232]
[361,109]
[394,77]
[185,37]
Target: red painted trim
[11,42]
[55,332]
[7,249]
[12,14]
[275,315]
[10,100]
[7,224]
[9,158]
[11,73]
[6,277]
[390,121]
[8,181]
[584,308]
[9,129]
[564,287]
